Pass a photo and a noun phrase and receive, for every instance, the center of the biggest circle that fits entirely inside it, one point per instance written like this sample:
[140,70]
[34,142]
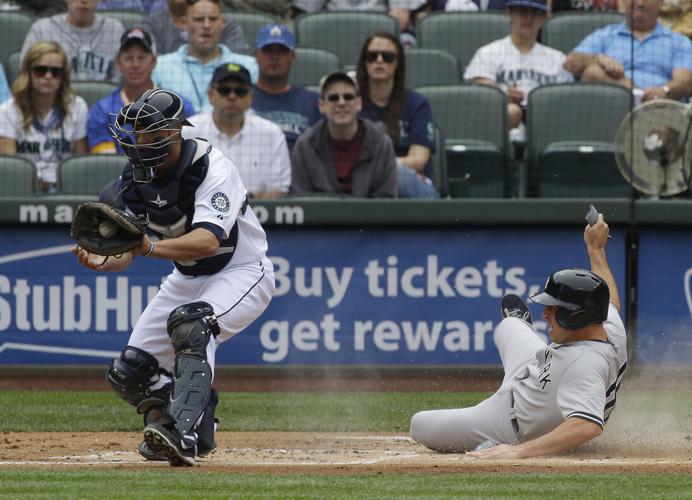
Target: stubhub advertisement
[344,296]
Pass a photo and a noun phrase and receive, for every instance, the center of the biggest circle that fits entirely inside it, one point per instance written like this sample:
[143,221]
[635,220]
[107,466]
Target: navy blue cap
[533,4]
[275,34]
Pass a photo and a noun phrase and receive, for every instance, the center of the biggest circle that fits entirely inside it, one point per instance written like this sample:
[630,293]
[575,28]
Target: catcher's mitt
[104,230]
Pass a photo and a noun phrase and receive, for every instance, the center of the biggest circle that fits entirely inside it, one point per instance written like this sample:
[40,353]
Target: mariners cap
[338,76]
[137,35]
[275,34]
[532,4]
[231,70]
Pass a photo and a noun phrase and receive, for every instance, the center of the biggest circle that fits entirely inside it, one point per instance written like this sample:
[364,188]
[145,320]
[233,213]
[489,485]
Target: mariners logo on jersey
[220,202]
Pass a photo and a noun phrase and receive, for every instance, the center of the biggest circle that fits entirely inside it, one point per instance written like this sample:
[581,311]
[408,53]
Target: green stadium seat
[92,91]
[12,67]
[87,174]
[473,121]
[14,25]
[430,67]
[251,22]
[439,165]
[128,18]
[311,65]
[569,140]
[17,176]
[341,32]
[564,30]
[461,33]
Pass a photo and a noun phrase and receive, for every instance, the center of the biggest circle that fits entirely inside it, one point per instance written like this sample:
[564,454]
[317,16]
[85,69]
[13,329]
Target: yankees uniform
[167,367]
[543,386]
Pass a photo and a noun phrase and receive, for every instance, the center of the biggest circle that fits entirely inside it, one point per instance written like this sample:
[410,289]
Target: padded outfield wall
[360,283]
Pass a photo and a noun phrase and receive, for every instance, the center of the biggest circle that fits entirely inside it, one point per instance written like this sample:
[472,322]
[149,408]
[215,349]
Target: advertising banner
[344,296]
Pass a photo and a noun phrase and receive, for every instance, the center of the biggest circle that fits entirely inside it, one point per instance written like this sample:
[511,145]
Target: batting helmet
[155,110]
[580,296]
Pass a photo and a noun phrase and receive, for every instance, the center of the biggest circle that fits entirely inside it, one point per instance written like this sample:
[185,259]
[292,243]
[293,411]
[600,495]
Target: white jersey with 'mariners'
[576,379]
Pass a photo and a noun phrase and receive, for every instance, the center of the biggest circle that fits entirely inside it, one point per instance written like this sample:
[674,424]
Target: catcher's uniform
[543,386]
[204,191]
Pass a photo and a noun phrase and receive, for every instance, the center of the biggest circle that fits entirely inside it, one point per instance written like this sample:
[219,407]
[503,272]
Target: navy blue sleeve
[418,122]
[216,230]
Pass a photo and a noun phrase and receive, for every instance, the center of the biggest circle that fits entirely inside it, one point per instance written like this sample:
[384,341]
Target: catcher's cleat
[513,307]
[166,444]
[153,456]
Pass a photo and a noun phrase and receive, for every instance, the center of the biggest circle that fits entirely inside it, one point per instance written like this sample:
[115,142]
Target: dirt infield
[325,453]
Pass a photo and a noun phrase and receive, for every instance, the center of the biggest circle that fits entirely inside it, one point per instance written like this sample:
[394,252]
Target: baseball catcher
[194,206]
[554,396]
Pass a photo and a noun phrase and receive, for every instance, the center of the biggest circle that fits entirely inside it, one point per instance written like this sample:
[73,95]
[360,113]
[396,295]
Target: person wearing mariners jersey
[554,396]
[195,207]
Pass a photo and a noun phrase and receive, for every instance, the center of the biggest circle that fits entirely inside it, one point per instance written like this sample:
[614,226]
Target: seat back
[12,67]
[342,33]
[564,30]
[251,22]
[92,91]
[14,25]
[461,33]
[17,176]
[128,18]
[311,65]
[438,160]
[430,67]
[87,174]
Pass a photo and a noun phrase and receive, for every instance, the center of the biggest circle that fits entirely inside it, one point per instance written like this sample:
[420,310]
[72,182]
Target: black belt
[515,423]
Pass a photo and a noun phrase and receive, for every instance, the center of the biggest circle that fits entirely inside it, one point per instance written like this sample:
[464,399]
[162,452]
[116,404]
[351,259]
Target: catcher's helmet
[154,110]
[580,296]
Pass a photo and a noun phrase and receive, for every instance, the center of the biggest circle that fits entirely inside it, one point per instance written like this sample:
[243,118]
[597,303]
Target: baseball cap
[533,4]
[231,70]
[275,34]
[338,76]
[137,35]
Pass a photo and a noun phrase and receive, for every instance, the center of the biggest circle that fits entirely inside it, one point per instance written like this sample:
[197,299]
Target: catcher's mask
[155,110]
[580,296]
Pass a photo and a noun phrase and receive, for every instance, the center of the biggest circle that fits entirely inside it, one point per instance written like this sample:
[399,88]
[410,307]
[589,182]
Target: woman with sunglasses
[406,114]
[45,121]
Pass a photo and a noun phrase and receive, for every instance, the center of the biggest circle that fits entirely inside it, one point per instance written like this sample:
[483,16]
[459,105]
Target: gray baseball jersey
[91,51]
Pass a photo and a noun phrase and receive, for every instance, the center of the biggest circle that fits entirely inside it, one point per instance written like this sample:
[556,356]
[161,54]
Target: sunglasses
[387,56]
[239,91]
[335,97]
[57,72]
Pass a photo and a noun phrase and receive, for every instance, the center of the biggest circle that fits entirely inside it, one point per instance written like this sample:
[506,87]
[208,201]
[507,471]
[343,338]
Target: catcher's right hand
[101,229]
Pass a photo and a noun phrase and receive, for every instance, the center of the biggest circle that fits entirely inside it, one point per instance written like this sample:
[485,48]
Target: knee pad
[190,327]
[131,376]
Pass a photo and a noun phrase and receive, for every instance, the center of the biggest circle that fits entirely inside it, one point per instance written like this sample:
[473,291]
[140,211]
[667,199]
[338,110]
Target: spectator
[677,15]
[90,40]
[44,8]
[293,109]
[143,6]
[344,154]
[136,61]
[188,70]
[45,121]
[518,63]
[662,62]
[169,32]
[5,93]
[406,114]
[597,5]
[256,146]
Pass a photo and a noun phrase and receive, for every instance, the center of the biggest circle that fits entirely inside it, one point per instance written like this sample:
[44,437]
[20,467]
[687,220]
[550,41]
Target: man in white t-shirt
[518,63]
[255,145]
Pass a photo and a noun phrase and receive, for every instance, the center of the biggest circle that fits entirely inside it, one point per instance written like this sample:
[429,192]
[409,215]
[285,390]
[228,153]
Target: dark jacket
[374,175]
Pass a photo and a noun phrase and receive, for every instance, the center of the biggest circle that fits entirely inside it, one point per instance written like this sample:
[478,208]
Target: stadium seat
[87,174]
[17,176]
[251,23]
[461,33]
[439,165]
[128,18]
[473,121]
[12,67]
[14,25]
[569,140]
[430,67]
[564,30]
[311,65]
[92,91]
[341,32]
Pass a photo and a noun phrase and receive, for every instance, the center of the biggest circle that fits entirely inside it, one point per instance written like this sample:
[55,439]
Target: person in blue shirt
[143,6]
[136,60]
[5,92]
[188,71]
[293,109]
[638,53]
[406,114]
